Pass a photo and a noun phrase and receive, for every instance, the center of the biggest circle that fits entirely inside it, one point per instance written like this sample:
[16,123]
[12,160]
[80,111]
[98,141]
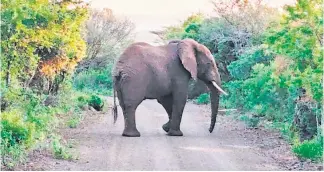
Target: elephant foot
[131,133]
[166,127]
[172,132]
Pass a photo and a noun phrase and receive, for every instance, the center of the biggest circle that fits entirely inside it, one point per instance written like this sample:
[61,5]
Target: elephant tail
[114,110]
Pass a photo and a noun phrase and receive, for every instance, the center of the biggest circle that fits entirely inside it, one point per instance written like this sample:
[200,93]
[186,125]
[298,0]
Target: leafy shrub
[311,149]
[96,102]
[253,122]
[73,122]
[26,51]
[75,119]
[16,135]
[16,130]
[250,121]
[82,101]
[9,97]
[59,150]
[28,121]
[33,67]
[43,117]
[285,130]
[12,155]
[94,80]
[203,99]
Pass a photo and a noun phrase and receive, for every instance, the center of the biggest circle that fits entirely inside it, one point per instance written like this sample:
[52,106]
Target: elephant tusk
[219,88]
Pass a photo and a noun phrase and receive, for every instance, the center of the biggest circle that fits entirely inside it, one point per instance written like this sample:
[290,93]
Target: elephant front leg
[130,129]
[179,101]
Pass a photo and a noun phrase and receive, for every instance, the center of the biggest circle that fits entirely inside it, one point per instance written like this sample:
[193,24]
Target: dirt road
[100,146]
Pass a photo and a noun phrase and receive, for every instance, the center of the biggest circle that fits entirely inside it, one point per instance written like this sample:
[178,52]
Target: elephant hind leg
[130,129]
[167,102]
[129,107]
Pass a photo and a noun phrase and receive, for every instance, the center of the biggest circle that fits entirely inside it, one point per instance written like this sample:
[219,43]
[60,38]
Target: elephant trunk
[214,102]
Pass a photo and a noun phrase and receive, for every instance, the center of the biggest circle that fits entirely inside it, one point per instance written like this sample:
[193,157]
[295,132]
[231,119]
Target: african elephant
[163,72]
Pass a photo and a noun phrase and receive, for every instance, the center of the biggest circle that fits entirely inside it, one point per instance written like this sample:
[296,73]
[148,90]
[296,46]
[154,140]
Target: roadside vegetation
[271,63]
[57,60]
[47,49]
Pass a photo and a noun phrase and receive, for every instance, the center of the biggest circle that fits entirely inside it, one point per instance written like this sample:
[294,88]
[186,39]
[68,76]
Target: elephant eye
[209,64]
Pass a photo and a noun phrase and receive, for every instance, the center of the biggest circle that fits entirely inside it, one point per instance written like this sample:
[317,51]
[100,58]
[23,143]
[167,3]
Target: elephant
[144,71]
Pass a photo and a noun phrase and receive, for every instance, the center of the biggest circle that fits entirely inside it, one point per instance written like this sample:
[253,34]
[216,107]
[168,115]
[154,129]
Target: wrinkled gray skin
[163,72]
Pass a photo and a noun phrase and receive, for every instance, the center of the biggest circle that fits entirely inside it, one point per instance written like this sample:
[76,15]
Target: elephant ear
[187,55]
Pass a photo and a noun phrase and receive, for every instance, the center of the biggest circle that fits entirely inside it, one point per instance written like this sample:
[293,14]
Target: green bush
[203,99]
[28,122]
[16,130]
[60,150]
[17,135]
[96,102]
[34,70]
[82,101]
[73,122]
[250,121]
[94,80]
[253,122]
[310,149]
[12,155]
[75,119]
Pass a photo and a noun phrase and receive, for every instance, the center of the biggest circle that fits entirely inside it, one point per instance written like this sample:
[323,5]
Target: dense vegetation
[271,63]
[42,44]
[57,59]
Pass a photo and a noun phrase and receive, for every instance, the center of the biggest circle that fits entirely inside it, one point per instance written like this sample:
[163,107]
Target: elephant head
[199,62]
